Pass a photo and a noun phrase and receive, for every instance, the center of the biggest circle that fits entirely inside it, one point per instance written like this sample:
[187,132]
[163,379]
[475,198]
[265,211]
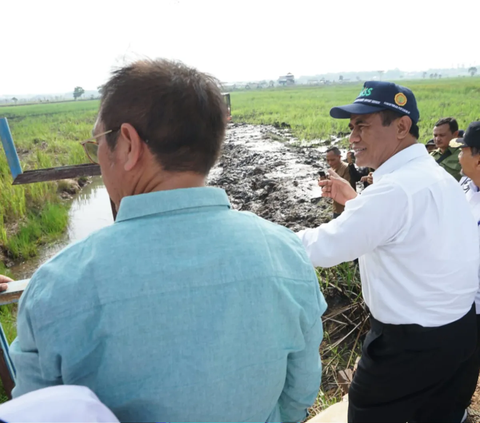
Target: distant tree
[424,75]
[271,84]
[431,76]
[100,89]
[439,76]
[340,78]
[472,71]
[358,78]
[15,99]
[435,75]
[78,92]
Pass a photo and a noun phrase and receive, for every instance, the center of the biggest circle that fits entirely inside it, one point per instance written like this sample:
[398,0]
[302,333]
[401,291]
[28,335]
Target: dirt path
[273,179]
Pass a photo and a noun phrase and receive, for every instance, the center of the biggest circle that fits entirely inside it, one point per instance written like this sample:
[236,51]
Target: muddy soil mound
[264,171]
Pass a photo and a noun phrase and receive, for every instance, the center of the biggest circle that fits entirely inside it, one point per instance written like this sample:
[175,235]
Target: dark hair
[388,116]
[452,123]
[475,150]
[335,150]
[179,110]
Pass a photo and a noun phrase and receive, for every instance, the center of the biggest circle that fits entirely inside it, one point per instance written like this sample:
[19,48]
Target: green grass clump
[39,228]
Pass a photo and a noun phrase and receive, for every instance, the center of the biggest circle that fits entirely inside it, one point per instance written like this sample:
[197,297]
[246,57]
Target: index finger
[5,279]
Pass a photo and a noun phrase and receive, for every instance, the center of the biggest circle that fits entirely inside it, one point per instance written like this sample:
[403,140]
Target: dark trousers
[411,373]
[335,215]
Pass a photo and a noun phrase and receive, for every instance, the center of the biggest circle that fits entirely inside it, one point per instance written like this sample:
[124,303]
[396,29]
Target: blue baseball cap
[471,137]
[377,96]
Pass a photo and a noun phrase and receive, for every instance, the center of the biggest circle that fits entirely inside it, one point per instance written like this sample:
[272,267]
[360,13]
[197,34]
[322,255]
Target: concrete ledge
[336,413]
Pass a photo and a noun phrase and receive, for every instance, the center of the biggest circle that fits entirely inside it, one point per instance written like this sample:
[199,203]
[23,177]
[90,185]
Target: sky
[52,46]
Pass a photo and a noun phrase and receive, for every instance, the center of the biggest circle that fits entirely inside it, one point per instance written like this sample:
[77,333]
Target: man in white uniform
[419,255]
[470,161]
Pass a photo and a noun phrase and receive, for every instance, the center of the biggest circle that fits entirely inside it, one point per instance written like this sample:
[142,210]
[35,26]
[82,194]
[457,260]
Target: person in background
[357,174]
[445,155]
[423,325]
[184,309]
[430,146]
[367,180]
[335,162]
[470,161]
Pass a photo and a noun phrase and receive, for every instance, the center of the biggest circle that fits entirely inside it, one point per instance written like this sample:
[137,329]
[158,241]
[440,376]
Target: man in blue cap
[469,159]
[418,251]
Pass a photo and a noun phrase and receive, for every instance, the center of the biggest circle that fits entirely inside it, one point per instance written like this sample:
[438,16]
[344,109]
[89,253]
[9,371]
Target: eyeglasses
[91,146]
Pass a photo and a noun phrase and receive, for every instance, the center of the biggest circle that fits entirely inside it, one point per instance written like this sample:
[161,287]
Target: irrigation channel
[90,210]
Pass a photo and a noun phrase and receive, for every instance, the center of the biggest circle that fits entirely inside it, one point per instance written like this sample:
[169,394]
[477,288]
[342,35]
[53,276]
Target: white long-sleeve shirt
[473,197]
[416,241]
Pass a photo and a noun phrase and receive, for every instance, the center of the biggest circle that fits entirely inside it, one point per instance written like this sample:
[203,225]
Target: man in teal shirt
[183,309]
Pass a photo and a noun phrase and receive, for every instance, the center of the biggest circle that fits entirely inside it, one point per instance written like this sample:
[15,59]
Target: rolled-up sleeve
[371,219]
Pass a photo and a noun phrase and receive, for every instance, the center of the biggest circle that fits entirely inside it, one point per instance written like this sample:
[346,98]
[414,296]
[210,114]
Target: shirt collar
[472,185]
[141,205]
[398,160]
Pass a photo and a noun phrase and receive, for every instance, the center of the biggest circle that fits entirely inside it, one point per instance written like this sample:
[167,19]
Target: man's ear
[477,160]
[455,134]
[403,127]
[134,146]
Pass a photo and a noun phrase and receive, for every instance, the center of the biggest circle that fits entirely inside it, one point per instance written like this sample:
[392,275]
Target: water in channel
[90,211]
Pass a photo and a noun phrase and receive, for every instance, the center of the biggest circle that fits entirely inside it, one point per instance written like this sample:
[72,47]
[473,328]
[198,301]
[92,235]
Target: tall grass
[45,136]
[306,109]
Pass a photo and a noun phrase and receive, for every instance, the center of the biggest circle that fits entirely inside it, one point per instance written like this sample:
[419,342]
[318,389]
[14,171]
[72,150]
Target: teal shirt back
[182,310]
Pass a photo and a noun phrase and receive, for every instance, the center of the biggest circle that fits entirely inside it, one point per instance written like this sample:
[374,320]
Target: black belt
[376,325]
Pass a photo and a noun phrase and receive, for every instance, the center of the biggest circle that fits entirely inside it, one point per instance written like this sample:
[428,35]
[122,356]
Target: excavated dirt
[268,172]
